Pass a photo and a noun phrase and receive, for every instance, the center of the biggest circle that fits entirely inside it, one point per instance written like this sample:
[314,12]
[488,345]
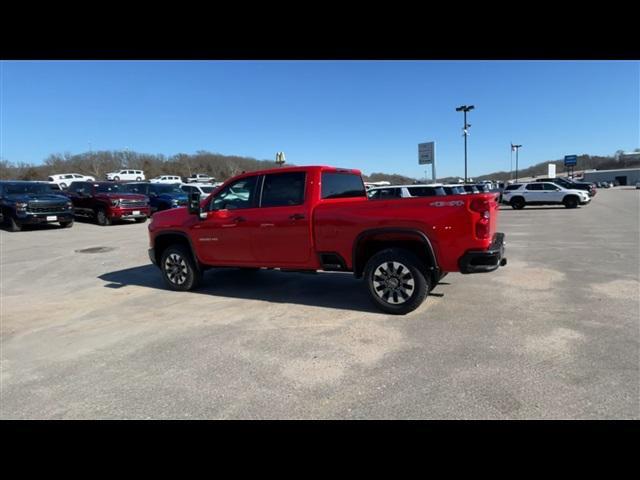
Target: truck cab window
[283,189]
[342,185]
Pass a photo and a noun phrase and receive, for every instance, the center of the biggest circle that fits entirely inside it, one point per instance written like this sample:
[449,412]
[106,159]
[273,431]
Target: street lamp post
[465,129]
[516,147]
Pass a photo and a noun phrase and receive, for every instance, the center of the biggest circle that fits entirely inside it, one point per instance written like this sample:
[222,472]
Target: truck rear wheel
[396,281]
[178,269]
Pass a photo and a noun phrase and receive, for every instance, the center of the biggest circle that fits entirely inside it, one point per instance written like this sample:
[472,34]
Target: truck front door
[224,237]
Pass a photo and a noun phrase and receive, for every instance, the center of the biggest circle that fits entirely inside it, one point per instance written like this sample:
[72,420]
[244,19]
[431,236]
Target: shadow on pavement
[549,207]
[322,289]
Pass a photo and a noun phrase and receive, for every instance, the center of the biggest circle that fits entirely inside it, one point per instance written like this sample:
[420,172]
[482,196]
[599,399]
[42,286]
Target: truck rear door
[282,235]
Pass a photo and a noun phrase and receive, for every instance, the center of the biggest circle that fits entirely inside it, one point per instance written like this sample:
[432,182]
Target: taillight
[482,228]
[483,207]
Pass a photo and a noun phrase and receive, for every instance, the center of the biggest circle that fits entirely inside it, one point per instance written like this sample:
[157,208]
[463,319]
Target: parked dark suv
[571,184]
[162,196]
[32,203]
[108,201]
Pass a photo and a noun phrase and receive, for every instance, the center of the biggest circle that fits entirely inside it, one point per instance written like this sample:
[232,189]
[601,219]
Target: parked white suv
[166,179]
[543,193]
[203,190]
[63,180]
[200,178]
[135,175]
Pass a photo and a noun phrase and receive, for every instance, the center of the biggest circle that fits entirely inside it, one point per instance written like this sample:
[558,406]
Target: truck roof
[323,168]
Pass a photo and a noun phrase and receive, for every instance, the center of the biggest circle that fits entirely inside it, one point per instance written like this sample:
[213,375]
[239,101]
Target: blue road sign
[570,160]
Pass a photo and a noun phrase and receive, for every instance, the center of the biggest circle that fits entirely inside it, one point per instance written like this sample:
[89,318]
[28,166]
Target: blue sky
[361,114]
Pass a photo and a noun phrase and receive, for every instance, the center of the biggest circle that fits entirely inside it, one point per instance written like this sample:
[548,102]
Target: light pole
[516,147]
[465,129]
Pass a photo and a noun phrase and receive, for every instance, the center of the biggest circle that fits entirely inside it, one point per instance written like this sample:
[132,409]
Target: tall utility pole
[516,147]
[511,162]
[465,129]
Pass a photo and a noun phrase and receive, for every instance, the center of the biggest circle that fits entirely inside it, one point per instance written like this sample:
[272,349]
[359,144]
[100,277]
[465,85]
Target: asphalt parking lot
[554,334]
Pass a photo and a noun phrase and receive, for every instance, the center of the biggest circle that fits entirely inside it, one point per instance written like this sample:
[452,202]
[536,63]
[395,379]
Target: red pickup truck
[320,218]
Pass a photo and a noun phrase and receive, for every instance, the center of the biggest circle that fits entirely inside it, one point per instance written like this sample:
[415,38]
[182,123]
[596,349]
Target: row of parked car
[32,203]
[25,203]
[542,191]
[64,180]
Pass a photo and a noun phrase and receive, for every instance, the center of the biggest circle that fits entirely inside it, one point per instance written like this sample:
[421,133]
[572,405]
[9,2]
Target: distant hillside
[393,178]
[585,162]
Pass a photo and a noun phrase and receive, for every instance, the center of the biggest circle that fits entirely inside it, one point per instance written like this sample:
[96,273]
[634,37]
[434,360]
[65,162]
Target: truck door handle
[239,219]
[296,216]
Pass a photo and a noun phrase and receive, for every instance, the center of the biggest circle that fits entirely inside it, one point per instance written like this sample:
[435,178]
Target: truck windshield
[110,187]
[167,189]
[426,191]
[18,188]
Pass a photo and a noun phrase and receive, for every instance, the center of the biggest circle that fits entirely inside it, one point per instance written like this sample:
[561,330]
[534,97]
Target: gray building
[622,176]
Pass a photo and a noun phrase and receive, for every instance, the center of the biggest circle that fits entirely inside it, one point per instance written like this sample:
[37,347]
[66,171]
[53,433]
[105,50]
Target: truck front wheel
[12,224]
[178,269]
[102,218]
[396,282]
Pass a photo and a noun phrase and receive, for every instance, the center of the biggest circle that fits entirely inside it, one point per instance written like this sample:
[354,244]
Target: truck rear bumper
[482,261]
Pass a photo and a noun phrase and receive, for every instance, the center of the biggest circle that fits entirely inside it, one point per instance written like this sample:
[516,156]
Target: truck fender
[166,233]
[414,234]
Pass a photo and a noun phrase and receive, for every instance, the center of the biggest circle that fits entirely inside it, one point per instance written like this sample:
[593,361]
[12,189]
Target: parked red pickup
[319,218]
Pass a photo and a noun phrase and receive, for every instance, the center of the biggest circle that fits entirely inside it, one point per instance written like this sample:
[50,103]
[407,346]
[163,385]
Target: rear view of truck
[402,247]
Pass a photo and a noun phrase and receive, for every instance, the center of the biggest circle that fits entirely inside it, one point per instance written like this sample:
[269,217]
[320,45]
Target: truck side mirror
[194,203]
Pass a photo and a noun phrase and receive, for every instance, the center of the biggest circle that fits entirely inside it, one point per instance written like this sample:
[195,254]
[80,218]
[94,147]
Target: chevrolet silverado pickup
[108,201]
[319,218]
[32,203]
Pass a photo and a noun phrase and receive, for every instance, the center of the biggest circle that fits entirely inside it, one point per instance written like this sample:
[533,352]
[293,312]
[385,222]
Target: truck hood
[37,197]
[180,197]
[577,192]
[171,218]
[122,196]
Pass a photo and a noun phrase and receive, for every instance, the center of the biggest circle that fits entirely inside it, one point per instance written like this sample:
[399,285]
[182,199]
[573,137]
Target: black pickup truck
[32,203]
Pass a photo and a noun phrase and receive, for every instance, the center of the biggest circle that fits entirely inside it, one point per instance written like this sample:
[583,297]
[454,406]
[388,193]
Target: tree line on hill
[222,167]
[98,164]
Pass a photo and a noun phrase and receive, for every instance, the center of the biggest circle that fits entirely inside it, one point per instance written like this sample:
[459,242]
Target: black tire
[12,224]
[570,201]
[63,186]
[179,270]
[385,276]
[68,224]
[140,220]
[116,179]
[517,203]
[138,179]
[102,218]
